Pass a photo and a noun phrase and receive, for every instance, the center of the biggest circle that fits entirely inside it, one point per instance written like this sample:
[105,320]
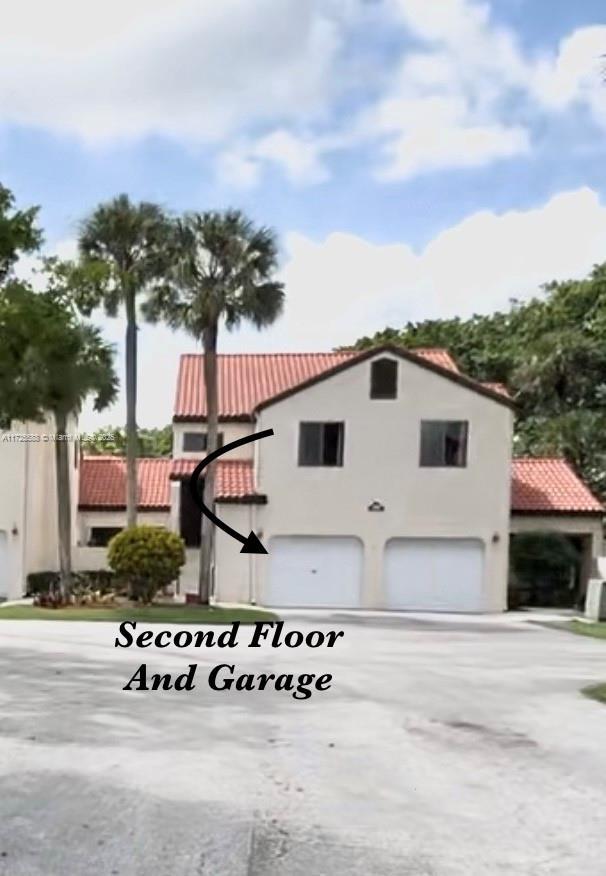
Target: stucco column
[372,589]
[175,505]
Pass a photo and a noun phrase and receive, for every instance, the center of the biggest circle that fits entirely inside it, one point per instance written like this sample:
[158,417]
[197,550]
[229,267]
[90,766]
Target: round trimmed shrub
[147,558]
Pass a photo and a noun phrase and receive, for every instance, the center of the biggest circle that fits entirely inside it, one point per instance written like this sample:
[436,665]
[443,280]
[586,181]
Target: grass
[595,692]
[172,614]
[596,631]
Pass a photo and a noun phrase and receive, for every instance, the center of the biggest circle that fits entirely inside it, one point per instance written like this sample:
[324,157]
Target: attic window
[384,378]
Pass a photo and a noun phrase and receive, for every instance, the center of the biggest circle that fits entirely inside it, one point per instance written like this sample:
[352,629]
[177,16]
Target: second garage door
[314,572]
[3,565]
[434,574]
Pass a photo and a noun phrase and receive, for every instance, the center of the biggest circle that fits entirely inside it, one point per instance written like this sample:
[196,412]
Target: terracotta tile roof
[550,485]
[544,485]
[246,380]
[103,481]
[234,479]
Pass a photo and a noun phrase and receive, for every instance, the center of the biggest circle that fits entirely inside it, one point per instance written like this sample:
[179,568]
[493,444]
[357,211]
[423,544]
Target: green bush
[42,582]
[97,580]
[147,558]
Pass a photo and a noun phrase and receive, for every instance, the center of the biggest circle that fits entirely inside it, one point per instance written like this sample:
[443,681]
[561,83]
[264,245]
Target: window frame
[340,455]
[444,464]
[392,394]
[203,435]
[115,531]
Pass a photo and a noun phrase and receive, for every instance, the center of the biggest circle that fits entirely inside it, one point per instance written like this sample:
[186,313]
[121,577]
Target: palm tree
[223,268]
[131,241]
[79,364]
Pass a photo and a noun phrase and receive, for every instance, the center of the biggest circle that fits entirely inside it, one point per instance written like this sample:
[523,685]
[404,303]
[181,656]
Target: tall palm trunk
[64,512]
[131,408]
[209,340]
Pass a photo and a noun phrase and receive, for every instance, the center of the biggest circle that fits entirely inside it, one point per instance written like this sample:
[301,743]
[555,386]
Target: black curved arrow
[251,543]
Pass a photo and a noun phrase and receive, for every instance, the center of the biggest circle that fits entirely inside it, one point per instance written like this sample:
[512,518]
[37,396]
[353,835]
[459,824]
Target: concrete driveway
[443,748]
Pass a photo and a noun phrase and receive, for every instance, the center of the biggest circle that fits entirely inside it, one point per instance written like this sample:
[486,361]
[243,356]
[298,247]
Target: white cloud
[181,68]
[345,286]
[443,106]
[299,158]
[575,73]
[264,80]
[434,132]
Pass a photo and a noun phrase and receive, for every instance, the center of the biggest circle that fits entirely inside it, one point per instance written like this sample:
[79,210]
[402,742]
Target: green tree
[152,443]
[223,270]
[130,241]
[18,232]
[50,361]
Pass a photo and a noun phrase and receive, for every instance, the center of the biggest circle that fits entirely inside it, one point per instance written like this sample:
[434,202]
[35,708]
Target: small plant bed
[596,631]
[595,692]
[172,614]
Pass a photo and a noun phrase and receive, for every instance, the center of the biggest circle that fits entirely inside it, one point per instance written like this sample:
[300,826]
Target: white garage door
[314,571]
[3,565]
[434,574]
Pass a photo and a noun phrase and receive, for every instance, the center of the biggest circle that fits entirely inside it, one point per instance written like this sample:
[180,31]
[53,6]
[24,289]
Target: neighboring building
[389,483]
[28,502]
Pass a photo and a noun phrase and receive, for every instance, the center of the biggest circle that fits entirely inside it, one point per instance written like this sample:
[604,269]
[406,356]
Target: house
[28,501]
[389,483]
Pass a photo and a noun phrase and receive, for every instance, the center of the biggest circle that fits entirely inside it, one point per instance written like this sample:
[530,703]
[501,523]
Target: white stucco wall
[231,432]
[28,498]
[89,558]
[13,461]
[381,461]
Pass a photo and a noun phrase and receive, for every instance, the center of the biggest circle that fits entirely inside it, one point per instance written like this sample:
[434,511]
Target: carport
[549,496]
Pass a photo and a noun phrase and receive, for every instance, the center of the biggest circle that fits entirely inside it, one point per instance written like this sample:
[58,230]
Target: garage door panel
[314,571]
[434,574]
[3,565]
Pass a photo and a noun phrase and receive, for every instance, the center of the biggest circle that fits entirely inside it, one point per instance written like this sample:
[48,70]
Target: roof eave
[143,509]
[395,350]
[196,418]
[556,512]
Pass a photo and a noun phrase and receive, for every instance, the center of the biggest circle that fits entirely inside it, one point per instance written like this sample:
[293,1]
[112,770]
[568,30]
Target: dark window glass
[196,442]
[321,444]
[100,536]
[384,379]
[444,443]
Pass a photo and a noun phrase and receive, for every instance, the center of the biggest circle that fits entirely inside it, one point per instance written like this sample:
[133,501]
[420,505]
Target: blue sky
[418,158]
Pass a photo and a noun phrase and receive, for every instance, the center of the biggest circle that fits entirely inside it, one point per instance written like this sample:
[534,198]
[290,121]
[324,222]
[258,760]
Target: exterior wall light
[375,505]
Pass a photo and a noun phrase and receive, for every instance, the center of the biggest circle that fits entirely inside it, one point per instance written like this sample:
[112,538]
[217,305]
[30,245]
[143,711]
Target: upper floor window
[321,444]
[444,443]
[197,442]
[384,378]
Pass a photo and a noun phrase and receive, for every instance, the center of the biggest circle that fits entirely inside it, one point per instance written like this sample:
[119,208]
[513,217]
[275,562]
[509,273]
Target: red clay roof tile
[234,479]
[550,485]
[246,380]
[544,485]
[103,481]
